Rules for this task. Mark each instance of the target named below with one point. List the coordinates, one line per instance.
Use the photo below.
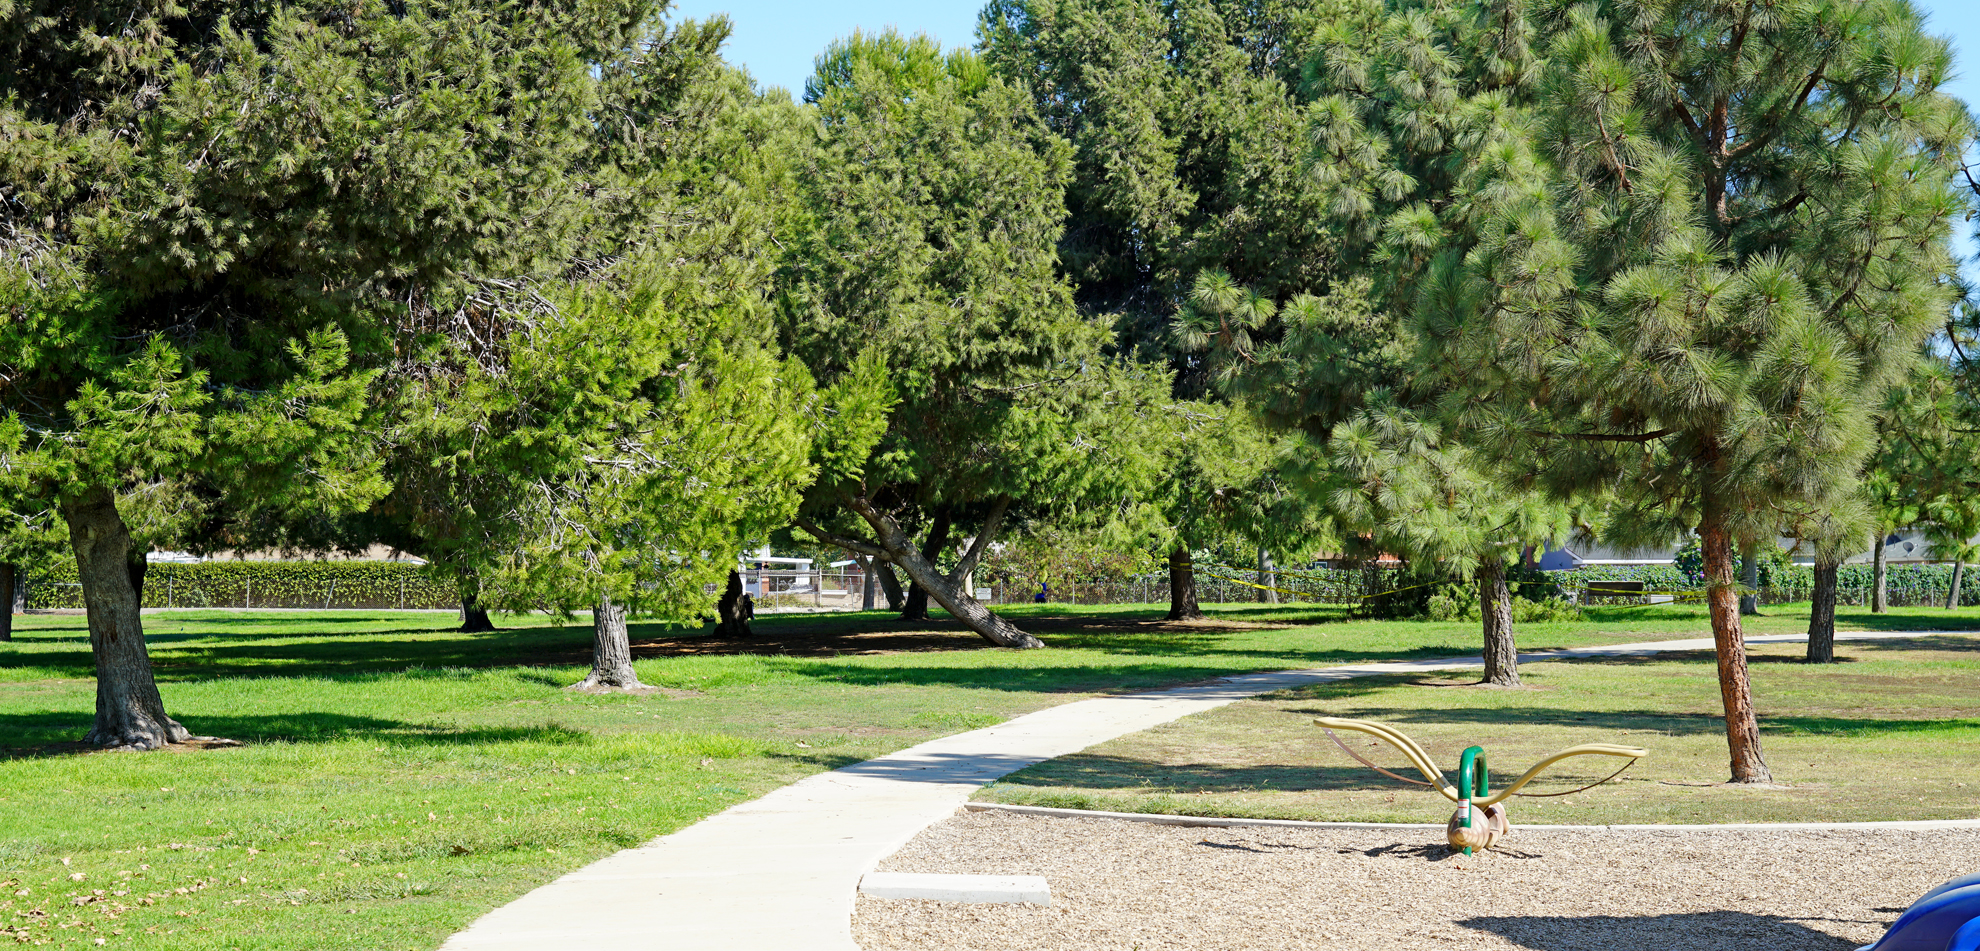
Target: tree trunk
(1749, 575)
(1495, 609)
(130, 715)
(730, 620)
(474, 617)
(1952, 594)
(611, 652)
(890, 584)
(1822, 618)
(1880, 600)
(1267, 579)
(917, 598)
(1182, 586)
(971, 612)
(7, 584)
(1729, 643)
(866, 585)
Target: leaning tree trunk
(971, 612)
(917, 596)
(1822, 618)
(611, 652)
(890, 584)
(1729, 643)
(1880, 599)
(730, 621)
(1495, 608)
(1749, 575)
(7, 584)
(130, 715)
(1959, 572)
(1268, 580)
(1182, 586)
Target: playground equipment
(1947, 918)
(1481, 819)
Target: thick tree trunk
(474, 618)
(971, 612)
(917, 598)
(890, 584)
(866, 584)
(1495, 609)
(130, 715)
(611, 652)
(1182, 586)
(1729, 642)
(1880, 598)
(8, 581)
(1267, 579)
(1749, 575)
(730, 616)
(1822, 618)
(1952, 594)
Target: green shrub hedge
(264, 584)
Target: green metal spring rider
(1481, 819)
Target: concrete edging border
(1049, 812)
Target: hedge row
(1903, 584)
(264, 584)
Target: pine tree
(222, 222)
(1686, 257)
(923, 286)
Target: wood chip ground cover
(1126, 885)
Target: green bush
(264, 584)
(1459, 602)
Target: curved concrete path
(780, 873)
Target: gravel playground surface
(1131, 885)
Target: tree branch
(846, 542)
(1605, 437)
(991, 523)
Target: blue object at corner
(1947, 918)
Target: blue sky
(777, 39)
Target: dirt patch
(196, 744)
(1122, 885)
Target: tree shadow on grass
(1692, 931)
(1645, 721)
(1100, 771)
(56, 733)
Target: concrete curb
(1049, 812)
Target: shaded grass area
(400, 778)
(1890, 732)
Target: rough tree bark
(1182, 586)
(1268, 578)
(1495, 609)
(611, 652)
(1952, 593)
(1749, 575)
(890, 584)
(7, 583)
(729, 620)
(938, 539)
(866, 586)
(474, 617)
(1880, 599)
(1729, 643)
(893, 543)
(130, 715)
(1822, 618)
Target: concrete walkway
(780, 873)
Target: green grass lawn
(399, 778)
(1892, 731)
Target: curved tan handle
(1428, 767)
